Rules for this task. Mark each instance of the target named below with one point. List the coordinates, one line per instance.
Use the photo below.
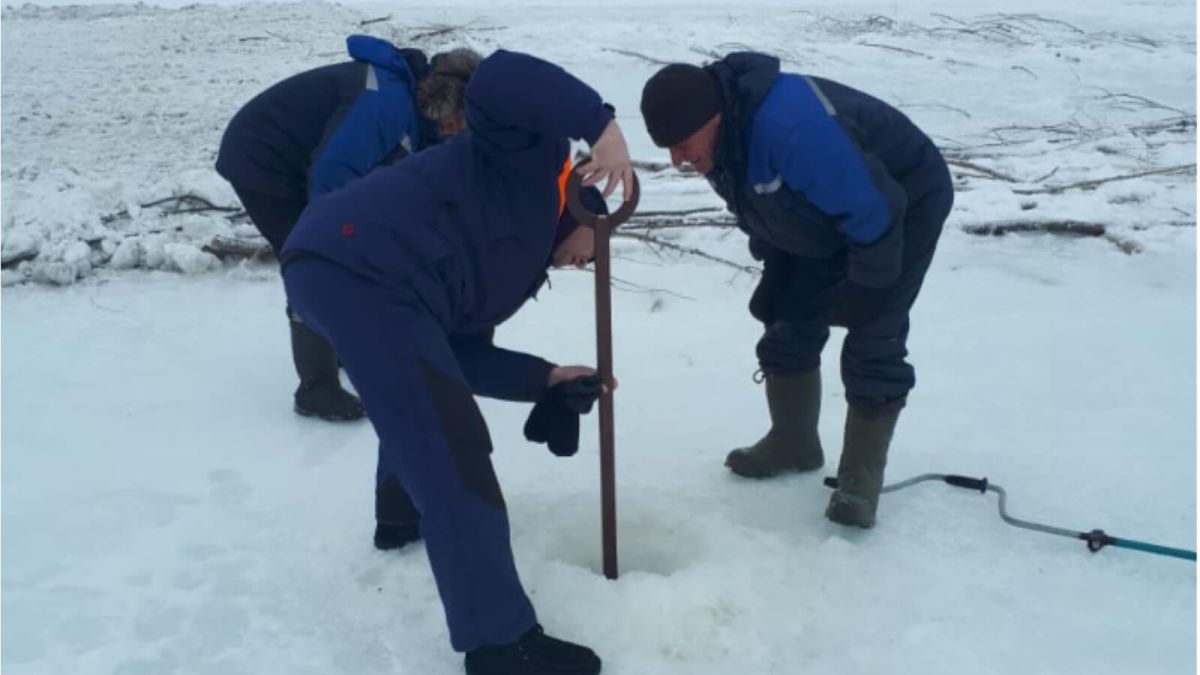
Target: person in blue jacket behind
(407, 272)
(316, 131)
(844, 199)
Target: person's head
(681, 105)
(441, 96)
(576, 249)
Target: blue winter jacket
(317, 130)
(813, 168)
(467, 228)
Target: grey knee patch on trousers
(466, 433)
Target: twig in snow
(368, 22)
(18, 258)
(637, 55)
(991, 173)
(937, 106)
(1064, 227)
(1172, 125)
(1092, 184)
(1027, 18)
(902, 50)
(679, 224)
(686, 212)
(947, 17)
(1023, 68)
(1138, 102)
(239, 249)
(654, 241)
(1047, 176)
(435, 32)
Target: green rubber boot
(792, 444)
(864, 456)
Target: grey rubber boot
(792, 444)
(864, 456)
(320, 393)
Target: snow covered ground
(165, 512)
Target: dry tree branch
(637, 55)
(937, 106)
(640, 215)
(1094, 183)
(990, 173)
(686, 250)
(901, 50)
(226, 248)
(1063, 227)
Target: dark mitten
(554, 419)
(770, 285)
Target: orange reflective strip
(563, 176)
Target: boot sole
(756, 475)
(304, 412)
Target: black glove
(762, 302)
(554, 419)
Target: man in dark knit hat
(844, 199)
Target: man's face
(577, 249)
(700, 148)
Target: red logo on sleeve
(348, 229)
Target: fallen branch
(637, 55)
(1136, 102)
(686, 250)
(381, 19)
(226, 248)
(1046, 177)
(1093, 184)
(686, 212)
(938, 106)
(902, 50)
(1064, 227)
(1068, 227)
(991, 173)
(18, 258)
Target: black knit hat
(677, 101)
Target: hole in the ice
(644, 544)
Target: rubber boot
(534, 654)
(397, 522)
(792, 444)
(869, 432)
(320, 393)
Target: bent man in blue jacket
(316, 131)
(407, 272)
(844, 200)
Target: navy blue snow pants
(432, 438)
(812, 294)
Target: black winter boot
(864, 456)
(792, 445)
(534, 654)
(397, 522)
(320, 393)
